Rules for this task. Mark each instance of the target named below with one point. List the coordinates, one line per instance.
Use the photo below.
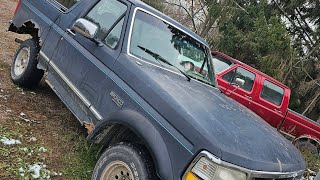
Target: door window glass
(105, 14)
(113, 37)
(243, 74)
(272, 93)
(67, 3)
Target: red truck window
(243, 74)
(221, 64)
(272, 93)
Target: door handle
(278, 111)
(247, 96)
(69, 31)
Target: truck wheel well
(27, 28)
(307, 140)
(117, 133)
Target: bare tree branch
(311, 103)
(243, 9)
(186, 10)
(304, 30)
(292, 22)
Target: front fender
(146, 131)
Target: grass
(312, 162)
(82, 158)
(17, 159)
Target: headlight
(206, 169)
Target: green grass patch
(82, 157)
(312, 160)
(23, 160)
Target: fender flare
(306, 136)
(146, 131)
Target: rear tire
(303, 145)
(24, 71)
(124, 161)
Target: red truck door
(227, 82)
(271, 101)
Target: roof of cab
(139, 3)
(248, 67)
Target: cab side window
(108, 15)
(67, 3)
(243, 74)
(272, 93)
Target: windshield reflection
(173, 45)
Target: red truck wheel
(306, 144)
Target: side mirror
(240, 82)
(85, 28)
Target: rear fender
(27, 27)
(146, 131)
(307, 137)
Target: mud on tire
(24, 71)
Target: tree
(303, 22)
(158, 4)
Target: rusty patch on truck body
(89, 126)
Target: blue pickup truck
(145, 88)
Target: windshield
(221, 64)
(152, 36)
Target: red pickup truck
(268, 98)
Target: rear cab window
(220, 64)
(243, 74)
(272, 93)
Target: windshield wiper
(160, 58)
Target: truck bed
(299, 125)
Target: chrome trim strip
(250, 173)
(72, 87)
(95, 113)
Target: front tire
(24, 71)
(124, 161)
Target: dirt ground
(38, 119)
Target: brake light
(15, 11)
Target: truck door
(242, 94)
(268, 103)
(51, 10)
(81, 65)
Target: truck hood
(212, 121)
